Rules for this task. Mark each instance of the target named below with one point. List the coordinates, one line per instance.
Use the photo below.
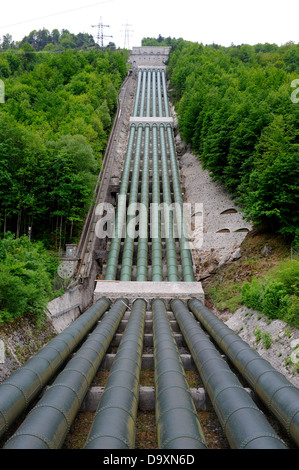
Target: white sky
(220, 21)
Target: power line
(56, 14)
(101, 35)
(127, 35)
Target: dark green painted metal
(114, 422)
(142, 254)
(243, 423)
(186, 258)
(49, 421)
(157, 272)
(137, 95)
(19, 390)
(159, 93)
(178, 425)
(172, 265)
(279, 395)
(112, 262)
(166, 105)
(127, 257)
(154, 91)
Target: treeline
(54, 127)
(44, 40)
(238, 109)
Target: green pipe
(48, 423)
(112, 262)
(127, 258)
(113, 426)
(141, 112)
(148, 96)
(157, 270)
(142, 254)
(172, 267)
(275, 391)
(19, 390)
(178, 425)
(243, 423)
(185, 251)
(166, 105)
(154, 92)
(136, 103)
(160, 106)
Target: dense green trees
(54, 127)
(44, 40)
(26, 278)
(235, 109)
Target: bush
(277, 295)
(26, 274)
(252, 294)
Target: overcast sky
(219, 21)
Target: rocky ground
(218, 243)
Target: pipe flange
(188, 436)
(177, 408)
(245, 442)
(97, 436)
(20, 390)
(57, 409)
(41, 437)
(108, 407)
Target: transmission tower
(100, 34)
(127, 35)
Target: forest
(59, 105)
(55, 124)
(238, 110)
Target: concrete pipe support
(276, 392)
(49, 421)
(178, 425)
(243, 423)
(19, 390)
(114, 422)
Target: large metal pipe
(157, 270)
(114, 422)
(172, 266)
(142, 254)
(159, 93)
(19, 390)
(166, 105)
(279, 395)
(127, 258)
(178, 425)
(137, 95)
(243, 423)
(112, 262)
(49, 421)
(186, 258)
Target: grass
(223, 290)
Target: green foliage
(277, 295)
(55, 124)
(234, 107)
(26, 273)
